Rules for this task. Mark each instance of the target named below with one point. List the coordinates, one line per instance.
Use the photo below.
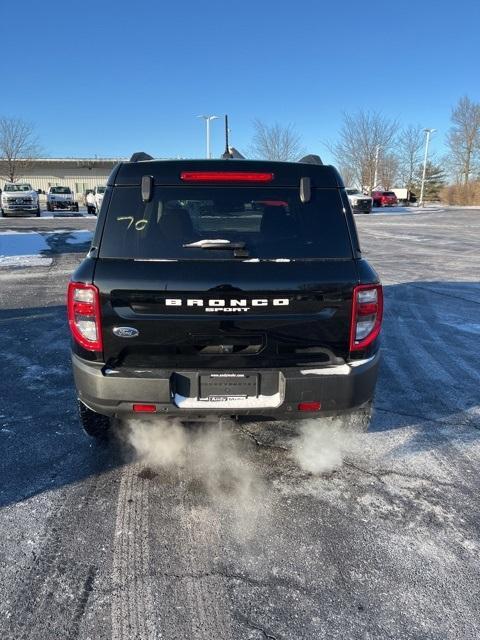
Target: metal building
(79, 174)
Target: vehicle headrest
(176, 224)
(275, 222)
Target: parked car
(384, 199)
(359, 202)
(19, 198)
(192, 303)
(61, 198)
(98, 193)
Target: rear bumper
(113, 392)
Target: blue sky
(107, 78)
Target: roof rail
(311, 159)
(139, 156)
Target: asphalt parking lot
(237, 539)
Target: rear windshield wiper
(238, 248)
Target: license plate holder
(221, 387)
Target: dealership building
(79, 174)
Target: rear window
(60, 190)
(265, 223)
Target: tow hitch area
(236, 390)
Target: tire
(75, 208)
(38, 212)
(359, 420)
(3, 213)
(94, 424)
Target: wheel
(75, 208)
(3, 213)
(94, 424)
(38, 212)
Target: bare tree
(348, 175)
(409, 148)
(463, 139)
(365, 138)
(388, 170)
(18, 147)
(276, 142)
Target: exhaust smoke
(212, 460)
(322, 445)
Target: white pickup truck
(359, 202)
(61, 198)
(19, 198)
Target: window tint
(267, 223)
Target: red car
(384, 199)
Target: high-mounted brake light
(367, 313)
(83, 309)
(225, 176)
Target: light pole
(375, 178)
(427, 141)
(208, 119)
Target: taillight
(367, 312)
(84, 315)
(225, 176)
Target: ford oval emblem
(125, 332)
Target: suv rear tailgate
(247, 314)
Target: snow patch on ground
(25, 261)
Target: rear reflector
(309, 406)
(367, 312)
(144, 408)
(225, 176)
(83, 309)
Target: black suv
(224, 287)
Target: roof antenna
(226, 154)
(230, 152)
(227, 146)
